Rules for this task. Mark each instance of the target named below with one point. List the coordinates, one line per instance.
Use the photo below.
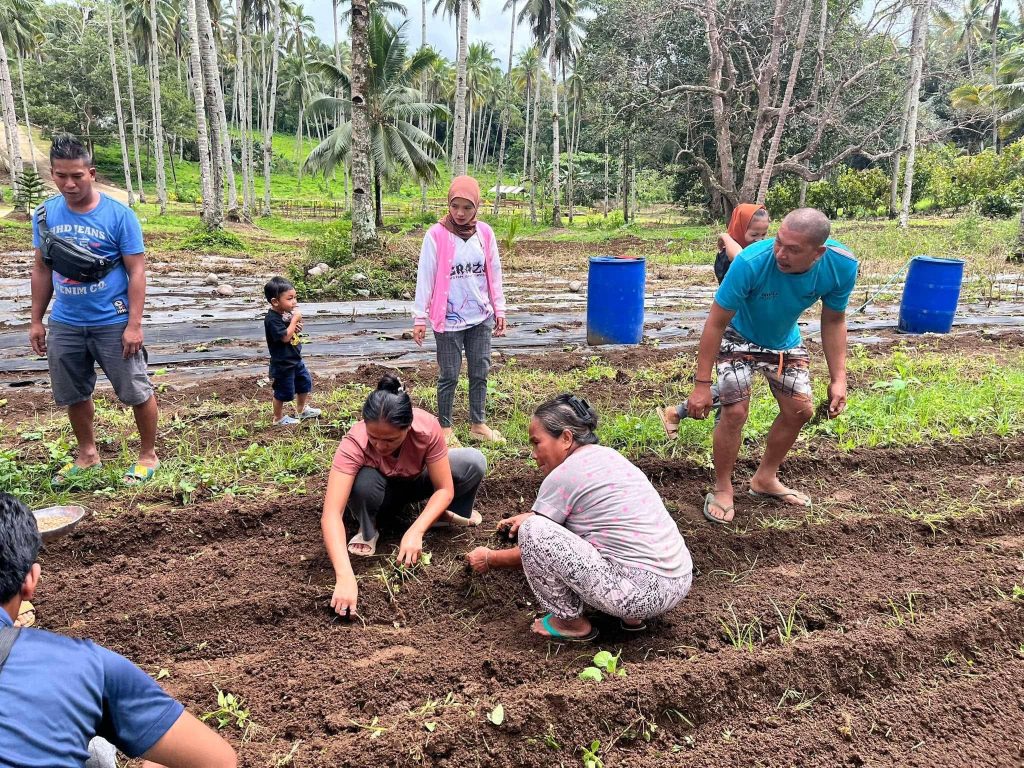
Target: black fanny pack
(70, 259)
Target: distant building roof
(507, 190)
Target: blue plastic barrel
(930, 294)
(615, 300)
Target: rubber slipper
(554, 634)
(709, 501)
(371, 543)
(642, 626)
(26, 615)
(139, 474)
(781, 497)
(71, 472)
(495, 437)
(451, 520)
(672, 430)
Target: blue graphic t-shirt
(768, 302)
(111, 229)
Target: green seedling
(604, 663)
(742, 636)
(549, 738)
(591, 755)
(788, 622)
(497, 715)
(230, 711)
(796, 700)
(393, 575)
(903, 612)
(374, 729)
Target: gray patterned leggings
(476, 342)
(566, 573)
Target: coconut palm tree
(965, 32)
(460, 10)
(392, 103)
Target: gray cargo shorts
(72, 352)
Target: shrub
(332, 245)
(205, 241)
(783, 196)
(999, 205)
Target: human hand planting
(343, 601)
(410, 548)
(511, 524)
(836, 398)
(479, 559)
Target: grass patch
(204, 241)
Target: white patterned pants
(567, 573)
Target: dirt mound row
(905, 648)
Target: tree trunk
(556, 211)
(780, 121)
(895, 180)
(459, 149)
(224, 172)
(506, 115)
(533, 154)
(158, 128)
(526, 126)
(131, 102)
(11, 126)
(268, 126)
(378, 201)
(626, 192)
(170, 156)
(996, 13)
(250, 144)
(298, 149)
(916, 70)
(118, 110)
(24, 108)
(364, 234)
(240, 100)
(606, 169)
(210, 193)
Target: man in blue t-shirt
(93, 322)
(752, 327)
(57, 693)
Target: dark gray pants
(373, 494)
(476, 342)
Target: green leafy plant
(591, 755)
(30, 189)
(230, 711)
(743, 636)
(604, 663)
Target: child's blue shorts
(291, 380)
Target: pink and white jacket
(433, 278)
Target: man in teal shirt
(752, 327)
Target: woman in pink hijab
(459, 293)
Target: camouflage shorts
(787, 372)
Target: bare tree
(271, 103)
(211, 195)
(11, 126)
(364, 232)
(158, 129)
(917, 56)
(224, 172)
(556, 210)
(117, 106)
(131, 102)
(243, 107)
(460, 125)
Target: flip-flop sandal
(452, 441)
(71, 472)
(781, 497)
(496, 437)
(554, 634)
(641, 627)
(672, 430)
(709, 501)
(451, 520)
(26, 615)
(371, 543)
(139, 474)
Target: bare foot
(773, 488)
(722, 509)
(579, 627)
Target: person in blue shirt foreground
(752, 327)
(58, 693)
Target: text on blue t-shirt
(110, 230)
(57, 693)
(768, 302)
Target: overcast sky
(492, 27)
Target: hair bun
(390, 383)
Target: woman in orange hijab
(749, 223)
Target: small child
(459, 293)
(287, 371)
(748, 225)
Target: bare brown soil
(907, 648)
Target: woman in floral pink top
(598, 535)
